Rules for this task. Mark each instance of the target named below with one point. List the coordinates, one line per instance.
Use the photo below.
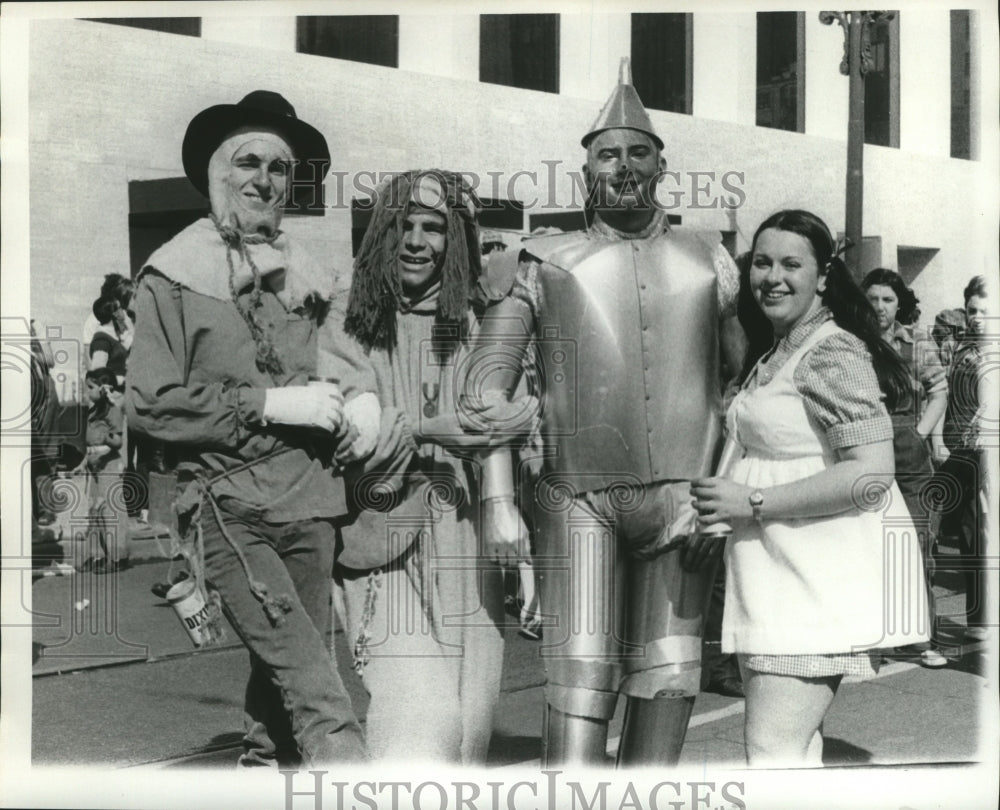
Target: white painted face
(248, 180)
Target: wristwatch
(756, 502)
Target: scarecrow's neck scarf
(209, 260)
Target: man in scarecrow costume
(629, 316)
(230, 325)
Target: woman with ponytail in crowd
(813, 592)
(423, 604)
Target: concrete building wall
(110, 104)
(925, 96)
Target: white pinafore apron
(839, 584)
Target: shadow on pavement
(841, 752)
(509, 750)
(973, 662)
(221, 752)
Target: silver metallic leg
(654, 731)
(583, 594)
(571, 740)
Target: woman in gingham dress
(823, 566)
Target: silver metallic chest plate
(629, 358)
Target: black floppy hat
(266, 108)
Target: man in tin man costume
(628, 317)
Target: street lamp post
(856, 63)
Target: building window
(882, 85)
(373, 38)
(188, 26)
(961, 113)
(661, 61)
(520, 50)
(781, 58)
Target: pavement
(111, 662)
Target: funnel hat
(623, 109)
(260, 108)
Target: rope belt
(274, 606)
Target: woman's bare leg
(784, 714)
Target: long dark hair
(909, 305)
(104, 309)
(119, 287)
(376, 291)
(842, 297)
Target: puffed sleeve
(728, 276)
(159, 401)
(841, 392)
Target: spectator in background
(107, 349)
(103, 468)
(965, 467)
(914, 418)
(44, 419)
(105, 343)
(949, 326)
(490, 242)
(121, 289)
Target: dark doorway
(158, 211)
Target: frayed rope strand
(275, 607)
(361, 653)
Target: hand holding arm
(363, 416)
(307, 406)
(496, 363)
(503, 422)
